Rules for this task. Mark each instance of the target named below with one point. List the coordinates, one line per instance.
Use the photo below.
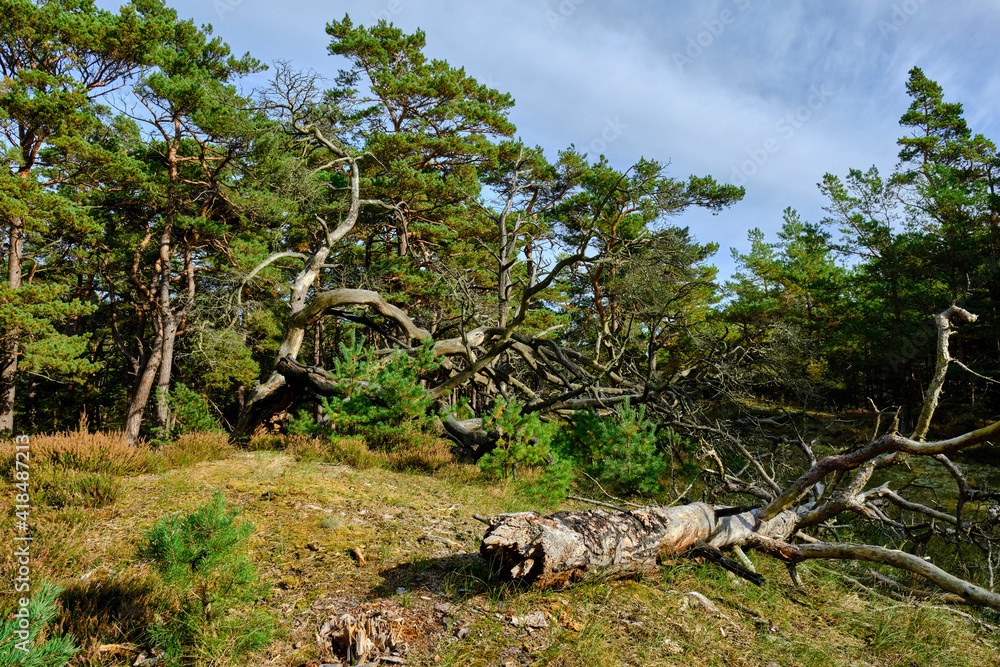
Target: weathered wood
(317, 381)
(569, 547)
(575, 546)
(796, 553)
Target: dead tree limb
(865, 552)
(944, 321)
(887, 444)
(576, 546)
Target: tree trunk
(140, 397)
(943, 322)
(571, 547)
(11, 348)
(318, 361)
(166, 368)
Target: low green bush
(189, 413)
(619, 450)
(207, 615)
(523, 446)
(383, 402)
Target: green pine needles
(189, 413)
(523, 440)
(211, 585)
(27, 646)
(524, 445)
(384, 400)
(620, 451)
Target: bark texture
(576, 546)
(11, 346)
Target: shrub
(189, 413)
(385, 404)
(427, 454)
(350, 451)
(207, 615)
(106, 453)
(619, 451)
(59, 487)
(267, 442)
(303, 423)
(549, 486)
(42, 651)
(523, 441)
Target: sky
(765, 94)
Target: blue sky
(766, 94)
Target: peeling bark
(570, 547)
(577, 546)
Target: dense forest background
(157, 217)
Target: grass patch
(189, 449)
(119, 609)
(419, 543)
(419, 453)
(60, 487)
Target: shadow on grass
(115, 610)
(458, 576)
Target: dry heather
(106, 453)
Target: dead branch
(866, 552)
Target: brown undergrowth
(331, 538)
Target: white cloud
(615, 62)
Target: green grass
(310, 515)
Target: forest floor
(331, 539)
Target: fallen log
(570, 547)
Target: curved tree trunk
(140, 396)
(943, 321)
